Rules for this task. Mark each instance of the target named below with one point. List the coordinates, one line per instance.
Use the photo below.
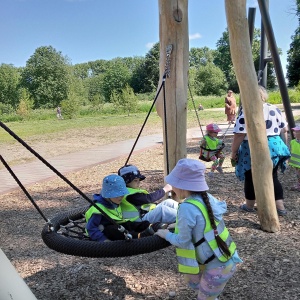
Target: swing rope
(169, 49)
(195, 109)
(120, 227)
(147, 117)
(222, 137)
(24, 190)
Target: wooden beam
(173, 30)
(262, 165)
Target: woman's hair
(221, 244)
(263, 93)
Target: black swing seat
(67, 235)
(210, 152)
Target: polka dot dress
(279, 152)
(274, 121)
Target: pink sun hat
(213, 127)
(297, 128)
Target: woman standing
(230, 107)
(276, 131)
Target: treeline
(49, 79)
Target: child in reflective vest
(100, 228)
(205, 250)
(211, 149)
(295, 156)
(165, 211)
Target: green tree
(94, 87)
(210, 80)
(201, 56)
(223, 60)
(293, 56)
(9, 85)
(145, 77)
(125, 101)
(115, 78)
(46, 77)
(25, 105)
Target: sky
(87, 30)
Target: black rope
(149, 112)
(195, 108)
(166, 131)
(120, 228)
(23, 188)
(222, 137)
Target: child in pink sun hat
(211, 149)
(295, 156)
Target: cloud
(149, 45)
(195, 36)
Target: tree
(210, 80)
(9, 85)
(293, 57)
(223, 60)
(115, 78)
(201, 56)
(127, 100)
(25, 104)
(145, 76)
(46, 77)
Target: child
(295, 156)
(164, 212)
(211, 149)
(205, 250)
(100, 228)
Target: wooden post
(252, 105)
(12, 286)
(173, 30)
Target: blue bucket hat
(189, 175)
(113, 186)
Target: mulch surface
(271, 268)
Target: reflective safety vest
(212, 147)
(146, 207)
(123, 213)
(187, 259)
(295, 154)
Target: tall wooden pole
(173, 30)
(252, 105)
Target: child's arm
(139, 199)
(92, 228)
(203, 143)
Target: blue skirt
(279, 153)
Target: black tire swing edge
(86, 248)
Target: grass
(31, 128)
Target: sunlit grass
(43, 127)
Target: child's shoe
(220, 170)
(147, 232)
(159, 225)
(210, 174)
(281, 212)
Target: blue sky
(87, 30)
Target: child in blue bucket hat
(100, 228)
(205, 250)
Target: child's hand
(234, 160)
(162, 233)
(171, 226)
(167, 188)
